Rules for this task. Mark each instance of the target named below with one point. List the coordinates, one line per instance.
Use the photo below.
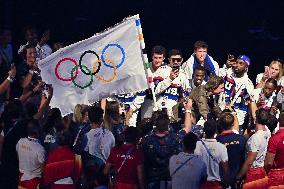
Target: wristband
(187, 111)
(31, 72)
(11, 79)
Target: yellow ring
(114, 71)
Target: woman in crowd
(274, 71)
(113, 120)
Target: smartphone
(267, 71)
(231, 57)
(175, 67)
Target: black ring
(80, 63)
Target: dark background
(255, 28)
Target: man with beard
(173, 85)
(238, 89)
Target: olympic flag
(105, 64)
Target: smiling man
(238, 89)
(200, 57)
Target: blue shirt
(235, 145)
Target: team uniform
(148, 104)
(268, 101)
(235, 145)
(62, 169)
(237, 93)
(256, 176)
(31, 159)
(225, 71)
(210, 65)
(170, 91)
(276, 146)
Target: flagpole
(145, 60)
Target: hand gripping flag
(108, 63)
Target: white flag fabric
(103, 65)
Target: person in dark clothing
(235, 144)
(14, 129)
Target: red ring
(58, 64)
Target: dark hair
(95, 114)
(273, 81)
(158, 49)
(200, 44)
(174, 52)
(272, 122)
(189, 141)
(112, 115)
(64, 138)
(281, 119)
(30, 109)
(210, 128)
(226, 120)
(13, 110)
(24, 52)
(54, 120)
(131, 135)
(262, 116)
(200, 68)
(162, 122)
(145, 126)
(214, 82)
(33, 128)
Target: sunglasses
(176, 59)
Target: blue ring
(122, 51)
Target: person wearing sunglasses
(174, 87)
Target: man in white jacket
(200, 57)
(173, 85)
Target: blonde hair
(280, 74)
(77, 115)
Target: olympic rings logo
(96, 66)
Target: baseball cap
(244, 58)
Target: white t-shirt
(218, 151)
(258, 143)
(99, 143)
(31, 157)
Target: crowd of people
(198, 125)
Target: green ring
(88, 84)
